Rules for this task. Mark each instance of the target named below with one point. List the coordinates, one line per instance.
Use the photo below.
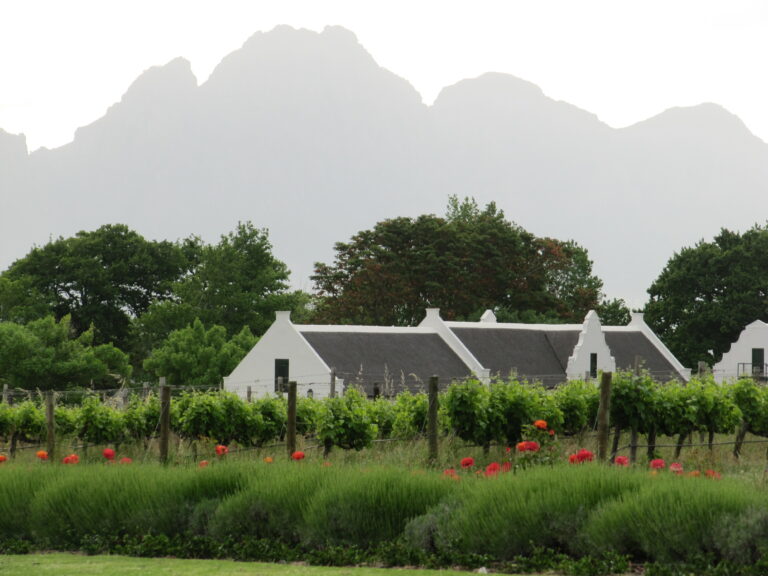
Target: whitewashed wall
(591, 341)
(754, 335)
(282, 340)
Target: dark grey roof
(405, 360)
(533, 354)
(625, 345)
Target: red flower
(450, 471)
(529, 446)
(492, 469)
(109, 454)
(3, 458)
(712, 474)
(71, 459)
(658, 464)
(582, 455)
(508, 449)
(467, 462)
(298, 455)
(221, 450)
(506, 467)
(125, 460)
(676, 467)
(42, 454)
(540, 424)
(551, 432)
(621, 461)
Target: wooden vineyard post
(248, 394)
(50, 424)
(291, 429)
(165, 420)
(603, 413)
(432, 420)
(333, 382)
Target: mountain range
(304, 134)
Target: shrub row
(335, 514)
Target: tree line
(108, 305)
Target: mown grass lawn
(78, 565)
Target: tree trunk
(615, 445)
(680, 442)
(651, 443)
(740, 435)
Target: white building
(746, 356)
(386, 360)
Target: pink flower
(492, 469)
(621, 461)
(203, 463)
(450, 471)
(658, 464)
(676, 467)
(125, 460)
(506, 467)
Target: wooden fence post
(248, 394)
(165, 420)
(50, 424)
(291, 428)
(603, 413)
(5, 393)
(432, 420)
(333, 382)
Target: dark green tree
(102, 279)
(237, 282)
(48, 355)
(469, 261)
(707, 294)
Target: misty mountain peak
(702, 122)
(13, 147)
(162, 83)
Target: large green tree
(470, 260)
(195, 356)
(47, 354)
(707, 294)
(103, 278)
(234, 283)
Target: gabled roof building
(387, 360)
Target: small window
(281, 373)
(593, 365)
(758, 361)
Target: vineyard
(477, 414)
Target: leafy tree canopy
(471, 260)
(46, 354)
(707, 294)
(194, 356)
(235, 283)
(102, 279)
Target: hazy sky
(62, 64)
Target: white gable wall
(281, 341)
(436, 323)
(591, 341)
(754, 335)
